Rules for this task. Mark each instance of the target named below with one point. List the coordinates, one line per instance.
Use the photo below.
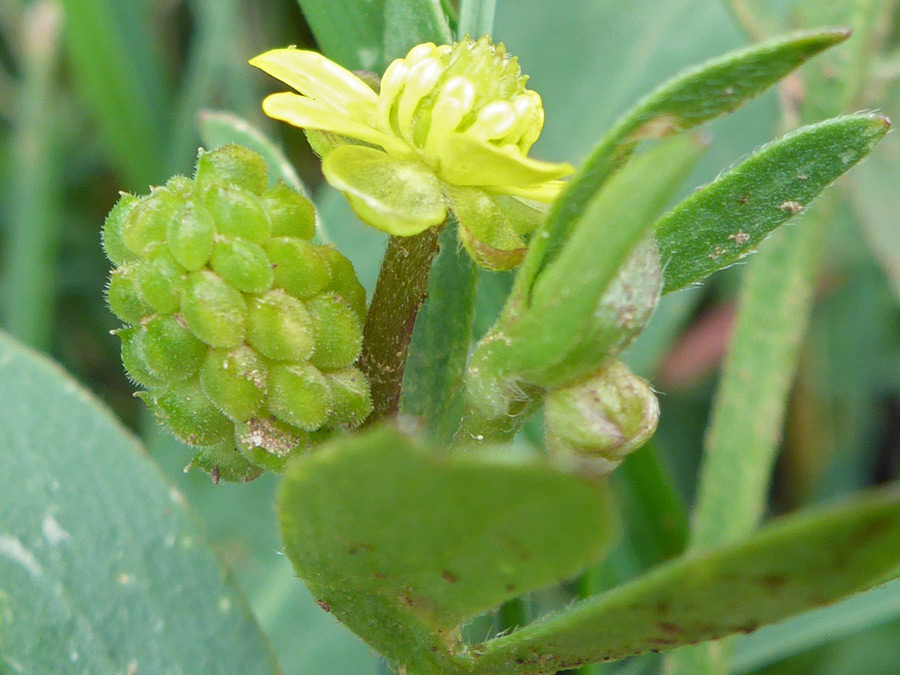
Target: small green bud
(269, 442)
(113, 245)
(147, 223)
(337, 330)
(213, 310)
(235, 381)
(224, 462)
(299, 395)
(238, 214)
(123, 295)
(186, 411)
(291, 214)
(604, 417)
(300, 267)
(133, 358)
(351, 398)
(160, 281)
(233, 164)
(242, 264)
(191, 236)
(344, 281)
(169, 349)
(279, 327)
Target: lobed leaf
(401, 543)
(101, 566)
(698, 95)
(795, 564)
(727, 219)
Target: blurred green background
(98, 96)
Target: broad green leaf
(119, 74)
(715, 88)
(348, 31)
(718, 224)
(795, 564)
(219, 128)
(102, 569)
(440, 345)
(801, 633)
(401, 544)
(411, 22)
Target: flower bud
(243, 265)
(604, 417)
(241, 330)
(290, 213)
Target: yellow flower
(449, 131)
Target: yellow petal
(541, 192)
(399, 197)
(315, 76)
(307, 113)
(465, 160)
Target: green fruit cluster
(241, 331)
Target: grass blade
(120, 77)
(28, 277)
(348, 31)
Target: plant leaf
(740, 447)
(801, 633)
(698, 95)
(566, 294)
(402, 544)
(797, 563)
(411, 22)
(718, 224)
(101, 567)
(348, 32)
(218, 128)
(121, 78)
(440, 343)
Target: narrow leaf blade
(348, 31)
(801, 562)
(440, 343)
(411, 22)
(714, 88)
(727, 219)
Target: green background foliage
(102, 95)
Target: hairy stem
(400, 291)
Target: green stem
(399, 293)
